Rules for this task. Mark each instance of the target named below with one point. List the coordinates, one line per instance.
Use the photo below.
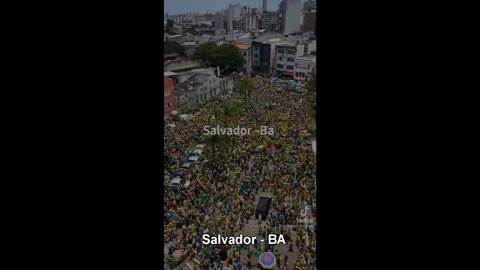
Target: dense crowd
(227, 181)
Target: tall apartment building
(264, 6)
(292, 12)
(219, 21)
(309, 21)
(310, 5)
(248, 19)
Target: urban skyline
(173, 7)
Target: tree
(245, 86)
(216, 143)
(205, 53)
(229, 57)
(226, 56)
(230, 111)
(173, 47)
(169, 26)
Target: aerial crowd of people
(232, 172)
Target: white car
(200, 146)
(198, 152)
(193, 159)
(186, 165)
(177, 181)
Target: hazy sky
(179, 6)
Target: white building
(292, 16)
(285, 55)
(304, 67)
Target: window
(281, 51)
(291, 52)
(296, 74)
(290, 67)
(280, 58)
(290, 59)
(256, 55)
(279, 66)
(244, 53)
(168, 105)
(244, 62)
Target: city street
(227, 175)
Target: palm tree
(245, 87)
(216, 143)
(230, 110)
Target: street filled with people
(213, 182)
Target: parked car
(177, 182)
(197, 152)
(186, 165)
(193, 159)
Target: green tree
(229, 57)
(226, 56)
(173, 47)
(216, 143)
(245, 87)
(230, 111)
(205, 53)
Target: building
(246, 52)
(182, 65)
(233, 17)
(248, 19)
(176, 38)
(264, 6)
(197, 89)
(263, 53)
(309, 21)
(292, 11)
(219, 21)
(169, 100)
(304, 67)
(269, 20)
(310, 5)
(286, 53)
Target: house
(197, 89)
(304, 67)
(182, 65)
(169, 100)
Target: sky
(173, 7)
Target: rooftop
(308, 57)
(181, 64)
(269, 35)
(171, 55)
(191, 84)
(243, 46)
